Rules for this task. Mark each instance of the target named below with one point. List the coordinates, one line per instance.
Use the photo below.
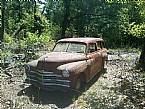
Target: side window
(92, 48)
(102, 44)
(99, 45)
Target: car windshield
(70, 47)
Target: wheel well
(82, 77)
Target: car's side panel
(95, 64)
(103, 51)
(100, 63)
(96, 56)
(76, 69)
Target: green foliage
(110, 19)
(5, 54)
(31, 39)
(44, 38)
(137, 30)
(116, 21)
(35, 40)
(8, 39)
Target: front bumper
(46, 80)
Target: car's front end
(54, 70)
(46, 78)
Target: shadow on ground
(60, 98)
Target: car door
(95, 57)
(103, 51)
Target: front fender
(74, 67)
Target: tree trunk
(19, 11)
(2, 20)
(142, 57)
(65, 23)
(34, 10)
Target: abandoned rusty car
(72, 61)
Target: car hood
(62, 57)
(51, 61)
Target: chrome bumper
(46, 79)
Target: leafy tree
(137, 27)
(66, 20)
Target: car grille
(46, 78)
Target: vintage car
(71, 62)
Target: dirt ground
(111, 89)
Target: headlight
(65, 73)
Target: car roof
(81, 40)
